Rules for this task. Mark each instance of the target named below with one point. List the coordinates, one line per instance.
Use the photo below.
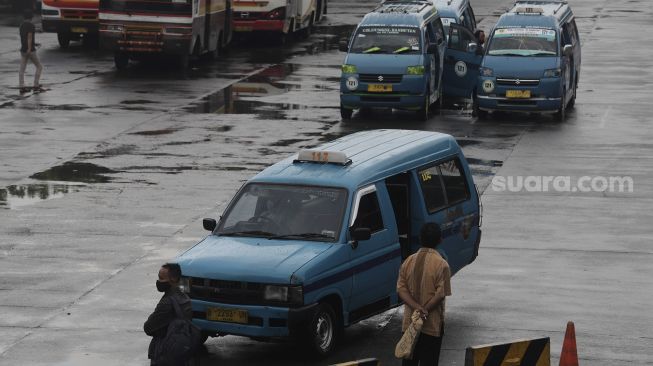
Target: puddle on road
(76, 172)
(164, 131)
(26, 194)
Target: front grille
(518, 82)
(79, 14)
(231, 292)
(381, 78)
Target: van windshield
(380, 39)
(291, 212)
(523, 42)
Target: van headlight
(486, 71)
(184, 285)
(349, 69)
(415, 70)
(288, 294)
(552, 73)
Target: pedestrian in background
(157, 323)
(480, 39)
(425, 294)
(28, 52)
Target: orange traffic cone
(569, 355)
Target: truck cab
(314, 243)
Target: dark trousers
(426, 353)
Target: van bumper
(366, 100)
(540, 105)
(56, 25)
(264, 321)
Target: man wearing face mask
(156, 325)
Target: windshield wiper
(302, 236)
(401, 50)
(372, 49)
(249, 233)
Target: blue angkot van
(532, 61)
(314, 243)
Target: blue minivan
(314, 243)
(532, 61)
(394, 59)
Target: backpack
(182, 340)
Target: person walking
(28, 53)
(426, 295)
(157, 323)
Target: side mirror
(471, 47)
(361, 234)
(432, 48)
(567, 50)
(209, 224)
(343, 45)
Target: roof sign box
(324, 157)
(529, 10)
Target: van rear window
(392, 40)
(443, 185)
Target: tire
(345, 113)
(439, 104)
(323, 331)
(561, 114)
(572, 101)
(423, 113)
(476, 111)
(64, 39)
(215, 54)
(121, 60)
(184, 62)
(205, 336)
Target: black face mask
(162, 286)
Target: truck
(282, 17)
(72, 20)
(134, 29)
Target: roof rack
(403, 6)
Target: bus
(134, 29)
(72, 20)
(282, 17)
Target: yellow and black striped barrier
(365, 362)
(529, 352)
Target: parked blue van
(394, 60)
(314, 243)
(532, 61)
(456, 12)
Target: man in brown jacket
(424, 282)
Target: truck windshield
(178, 7)
(523, 42)
(381, 39)
(291, 212)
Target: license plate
(379, 88)
(241, 28)
(518, 93)
(79, 30)
(227, 315)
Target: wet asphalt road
(108, 175)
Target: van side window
(573, 32)
(467, 21)
(439, 30)
(459, 39)
(369, 213)
(566, 37)
(432, 189)
(455, 183)
(472, 17)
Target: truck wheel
(323, 330)
(121, 60)
(561, 114)
(346, 113)
(423, 113)
(64, 39)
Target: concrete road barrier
(365, 362)
(528, 352)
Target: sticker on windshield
(448, 21)
(412, 41)
(525, 32)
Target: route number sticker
(460, 68)
(352, 83)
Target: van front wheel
(346, 113)
(423, 113)
(323, 330)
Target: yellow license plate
(379, 88)
(518, 93)
(241, 28)
(227, 315)
(79, 30)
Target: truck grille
(79, 14)
(381, 78)
(518, 82)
